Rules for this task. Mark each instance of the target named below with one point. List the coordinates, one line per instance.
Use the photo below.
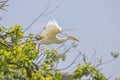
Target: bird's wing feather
(51, 29)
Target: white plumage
(50, 32)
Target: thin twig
(94, 54)
(3, 4)
(39, 16)
(84, 57)
(69, 64)
(7, 45)
(43, 14)
(70, 71)
(40, 59)
(67, 29)
(67, 50)
(60, 46)
(105, 62)
(51, 11)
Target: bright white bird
(49, 35)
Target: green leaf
(115, 54)
(2, 28)
(63, 57)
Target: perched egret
(49, 35)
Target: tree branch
(69, 64)
(38, 16)
(105, 62)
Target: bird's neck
(61, 40)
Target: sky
(95, 22)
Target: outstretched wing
(51, 29)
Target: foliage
(88, 70)
(16, 57)
(67, 77)
(3, 4)
(118, 78)
(21, 59)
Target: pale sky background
(96, 24)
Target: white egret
(49, 35)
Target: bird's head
(72, 38)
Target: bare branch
(69, 64)
(43, 14)
(7, 45)
(39, 16)
(94, 54)
(41, 57)
(51, 11)
(67, 50)
(3, 4)
(105, 62)
(84, 57)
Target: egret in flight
(49, 35)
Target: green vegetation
(17, 55)
(21, 58)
